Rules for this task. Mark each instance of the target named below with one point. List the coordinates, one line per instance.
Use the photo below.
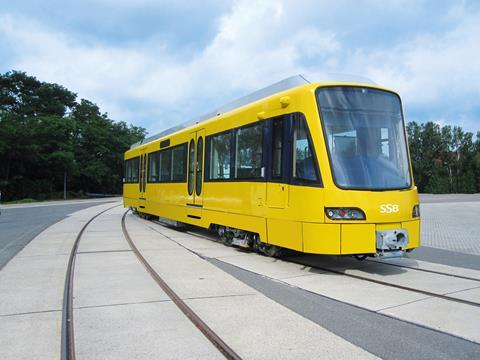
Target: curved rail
(385, 283)
(226, 350)
(68, 340)
(426, 270)
(397, 286)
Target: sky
(158, 63)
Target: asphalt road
(19, 224)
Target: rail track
(68, 338)
(426, 270)
(226, 350)
(392, 285)
(213, 237)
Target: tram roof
(283, 85)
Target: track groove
(380, 282)
(226, 350)
(68, 338)
(425, 270)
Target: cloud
(254, 43)
(433, 68)
(252, 48)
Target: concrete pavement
(262, 307)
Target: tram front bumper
(379, 238)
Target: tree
(45, 133)
(443, 158)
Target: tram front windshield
(365, 136)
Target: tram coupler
(390, 243)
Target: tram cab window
(165, 165)
(153, 167)
(249, 152)
(219, 156)
(304, 161)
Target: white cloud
(432, 69)
(251, 48)
(256, 43)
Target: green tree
(45, 133)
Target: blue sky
(156, 63)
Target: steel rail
(68, 339)
(397, 286)
(425, 270)
(380, 282)
(226, 350)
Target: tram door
(196, 151)
(142, 180)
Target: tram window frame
(238, 132)
(132, 170)
(172, 176)
(209, 153)
(288, 122)
(299, 118)
(154, 164)
(179, 177)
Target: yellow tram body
(283, 213)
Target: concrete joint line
(122, 304)
(30, 313)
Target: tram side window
(135, 170)
(249, 152)
(179, 155)
(165, 165)
(153, 167)
(219, 156)
(304, 162)
(131, 170)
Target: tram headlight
(416, 211)
(345, 214)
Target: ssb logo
(388, 208)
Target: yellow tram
(317, 167)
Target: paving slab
(198, 243)
(457, 319)
(259, 328)
(190, 276)
(415, 279)
(368, 295)
(53, 243)
(154, 242)
(139, 331)
(457, 233)
(30, 336)
(107, 278)
(268, 266)
(425, 265)
(252, 324)
(374, 297)
(376, 270)
(32, 284)
(470, 295)
(91, 241)
(32, 289)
